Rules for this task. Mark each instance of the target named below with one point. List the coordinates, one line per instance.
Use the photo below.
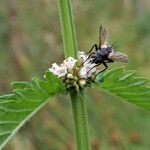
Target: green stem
(77, 99)
(68, 28)
(80, 120)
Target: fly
(104, 53)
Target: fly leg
(105, 64)
(86, 59)
(93, 67)
(103, 69)
(94, 46)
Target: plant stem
(80, 120)
(68, 28)
(77, 98)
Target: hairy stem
(68, 28)
(80, 120)
(77, 98)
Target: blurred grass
(30, 40)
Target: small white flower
(90, 69)
(82, 56)
(69, 63)
(59, 71)
(54, 69)
(87, 70)
(62, 71)
(83, 73)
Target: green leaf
(127, 85)
(17, 108)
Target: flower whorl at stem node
(75, 73)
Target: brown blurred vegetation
(30, 40)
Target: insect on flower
(71, 75)
(104, 53)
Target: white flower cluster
(65, 68)
(80, 70)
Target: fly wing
(117, 56)
(103, 33)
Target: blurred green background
(30, 40)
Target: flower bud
(67, 81)
(69, 86)
(69, 76)
(75, 78)
(82, 82)
(76, 85)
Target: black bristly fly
(104, 53)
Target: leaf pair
(28, 98)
